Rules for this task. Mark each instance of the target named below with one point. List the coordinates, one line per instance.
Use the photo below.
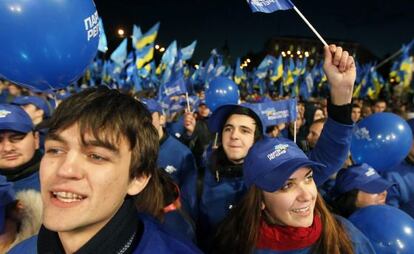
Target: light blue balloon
(381, 140)
(47, 44)
(390, 230)
(221, 91)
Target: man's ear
(137, 184)
(36, 139)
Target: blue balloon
(389, 229)
(381, 140)
(221, 91)
(47, 44)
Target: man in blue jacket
(239, 127)
(19, 143)
(99, 170)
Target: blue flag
(269, 6)
(187, 52)
(276, 112)
(174, 87)
(103, 43)
(119, 55)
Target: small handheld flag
(268, 6)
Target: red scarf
(288, 238)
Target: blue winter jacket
(178, 161)
(401, 195)
(155, 239)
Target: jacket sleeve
(331, 149)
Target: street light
(121, 32)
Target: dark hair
(109, 116)
(258, 133)
(239, 232)
(354, 105)
(344, 204)
(321, 120)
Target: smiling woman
(282, 210)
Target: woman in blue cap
(356, 187)
(282, 211)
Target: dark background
(378, 25)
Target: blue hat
(221, 114)
(14, 118)
(35, 100)
(361, 177)
(152, 105)
(271, 161)
(63, 96)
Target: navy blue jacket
(402, 194)
(178, 161)
(155, 239)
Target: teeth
(67, 197)
(301, 210)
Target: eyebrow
(86, 143)
(307, 174)
(100, 143)
(241, 126)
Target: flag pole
(188, 102)
(294, 131)
(310, 25)
(388, 59)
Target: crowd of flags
(173, 75)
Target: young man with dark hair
(98, 172)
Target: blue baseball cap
(361, 177)
(221, 114)
(271, 161)
(152, 105)
(14, 118)
(35, 100)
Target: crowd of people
(103, 171)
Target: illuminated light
(15, 8)
(248, 60)
(157, 46)
(298, 52)
(121, 32)
(408, 230)
(300, 56)
(196, 66)
(288, 52)
(306, 53)
(400, 244)
(291, 56)
(162, 49)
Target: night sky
(382, 26)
